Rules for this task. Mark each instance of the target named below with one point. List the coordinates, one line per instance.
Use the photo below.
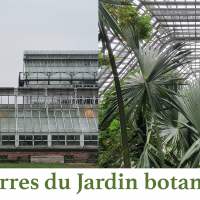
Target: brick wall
(70, 156)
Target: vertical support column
(16, 119)
(49, 140)
(82, 140)
(78, 114)
(16, 140)
(63, 119)
(47, 113)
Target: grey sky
(43, 25)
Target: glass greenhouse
(55, 105)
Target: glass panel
(58, 114)
(36, 124)
(28, 124)
(92, 124)
(25, 140)
(40, 140)
(20, 123)
(8, 140)
(84, 124)
(58, 140)
(12, 124)
(44, 124)
(68, 123)
(4, 124)
(60, 124)
(76, 123)
(52, 125)
(91, 140)
(73, 139)
(66, 113)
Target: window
(8, 140)
(91, 140)
(58, 140)
(87, 63)
(25, 140)
(73, 139)
(40, 140)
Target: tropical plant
(161, 110)
(107, 21)
(184, 140)
(149, 94)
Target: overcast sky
(43, 25)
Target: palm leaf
(190, 153)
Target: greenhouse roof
(52, 110)
(60, 52)
(172, 20)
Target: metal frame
(30, 112)
(57, 96)
(173, 20)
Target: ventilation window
(25, 140)
(73, 140)
(8, 140)
(91, 140)
(40, 140)
(58, 140)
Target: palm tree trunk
(122, 116)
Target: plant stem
(120, 101)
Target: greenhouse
(149, 56)
(54, 109)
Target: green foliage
(162, 118)
(152, 103)
(110, 146)
(190, 107)
(110, 154)
(180, 141)
(114, 126)
(107, 22)
(103, 60)
(144, 26)
(147, 91)
(128, 15)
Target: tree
(113, 22)
(183, 139)
(150, 93)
